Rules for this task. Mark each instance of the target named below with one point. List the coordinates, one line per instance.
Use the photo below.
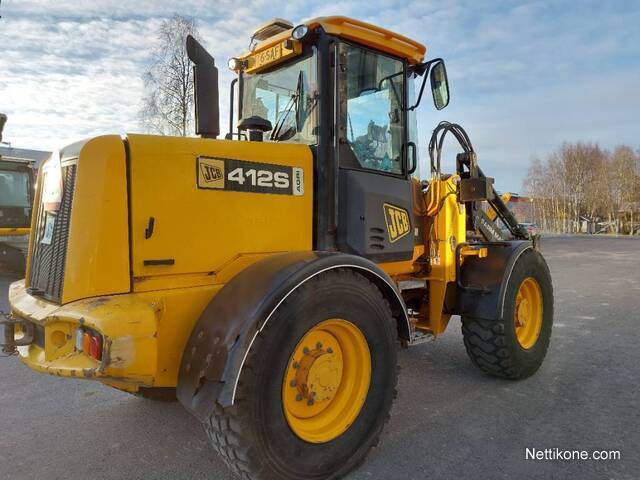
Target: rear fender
(223, 335)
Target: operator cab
(346, 89)
(279, 86)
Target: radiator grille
(47, 260)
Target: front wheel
(515, 345)
(317, 385)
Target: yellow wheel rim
(528, 314)
(327, 381)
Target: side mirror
(437, 73)
(439, 85)
(205, 81)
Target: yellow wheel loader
(16, 199)
(267, 279)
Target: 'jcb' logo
(210, 173)
(397, 220)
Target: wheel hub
(320, 380)
(326, 381)
(523, 313)
(528, 313)
(316, 373)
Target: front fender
(222, 337)
(483, 281)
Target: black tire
(253, 436)
(159, 394)
(492, 345)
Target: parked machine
(16, 198)
(268, 278)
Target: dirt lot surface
(450, 421)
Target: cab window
(371, 109)
(14, 189)
(286, 96)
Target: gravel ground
(449, 421)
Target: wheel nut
(293, 383)
(305, 350)
(296, 365)
(298, 398)
(329, 350)
(310, 402)
(318, 346)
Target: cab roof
(361, 32)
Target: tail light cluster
(89, 342)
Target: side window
(373, 87)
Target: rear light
(95, 349)
(89, 342)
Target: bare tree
(582, 181)
(167, 106)
(624, 173)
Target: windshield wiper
(294, 101)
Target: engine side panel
(206, 213)
(374, 218)
(97, 254)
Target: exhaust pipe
(206, 95)
(3, 120)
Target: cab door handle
(413, 164)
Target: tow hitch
(10, 343)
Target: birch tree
(582, 180)
(167, 106)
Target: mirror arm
(424, 82)
(425, 68)
(388, 78)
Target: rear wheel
(317, 385)
(515, 345)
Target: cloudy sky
(525, 76)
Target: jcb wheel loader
(267, 278)
(16, 198)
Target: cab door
(374, 189)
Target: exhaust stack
(206, 95)
(3, 120)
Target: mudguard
(482, 282)
(222, 337)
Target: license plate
(49, 223)
(268, 56)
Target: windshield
(14, 189)
(287, 97)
